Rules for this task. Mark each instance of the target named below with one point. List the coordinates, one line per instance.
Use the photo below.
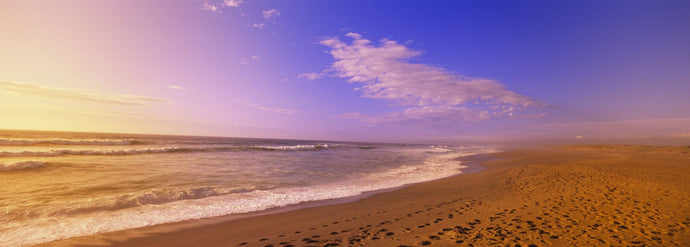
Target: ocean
(56, 185)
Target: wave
(99, 142)
(21, 165)
(60, 152)
(293, 147)
(52, 153)
(174, 205)
(439, 149)
(147, 198)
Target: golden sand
(560, 196)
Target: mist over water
(59, 185)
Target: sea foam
(24, 142)
(97, 183)
(21, 165)
(131, 211)
(60, 152)
(293, 147)
(51, 153)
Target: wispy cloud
(211, 7)
(429, 93)
(232, 3)
(273, 109)
(437, 114)
(78, 94)
(217, 6)
(247, 60)
(270, 15)
(311, 76)
(176, 87)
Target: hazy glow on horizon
(347, 70)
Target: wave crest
(60, 152)
(99, 142)
(52, 153)
(148, 198)
(21, 165)
(293, 147)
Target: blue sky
(356, 70)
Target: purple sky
(348, 70)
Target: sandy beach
(554, 196)
(344, 123)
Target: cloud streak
(269, 17)
(217, 6)
(429, 93)
(232, 3)
(271, 14)
(211, 8)
(273, 109)
(311, 76)
(78, 94)
(246, 61)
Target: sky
(348, 70)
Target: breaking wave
(60, 152)
(52, 153)
(21, 165)
(147, 198)
(294, 147)
(174, 205)
(26, 142)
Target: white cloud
(78, 94)
(250, 59)
(217, 6)
(211, 7)
(436, 114)
(311, 76)
(273, 109)
(270, 15)
(430, 93)
(176, 87)
(232, 3)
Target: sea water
(56, 185)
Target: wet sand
(566, 195)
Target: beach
(564, 195)
(344, 123)
(63, 185)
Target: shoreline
(420, 214)
(470, 164)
